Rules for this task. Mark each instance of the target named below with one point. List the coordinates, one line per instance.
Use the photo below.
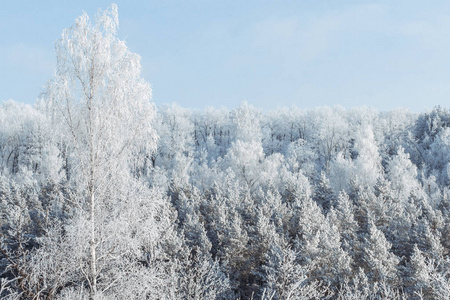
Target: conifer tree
(380, 263)
(323, 194)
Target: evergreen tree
(380, 263)
(323, 194)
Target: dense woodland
(105, 196)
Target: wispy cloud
(430, 34)
(316, 35)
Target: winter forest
(103, 195)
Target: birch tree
(102, 104)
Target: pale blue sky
(308, 53)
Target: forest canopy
(103, 195)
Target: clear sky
(308, 53)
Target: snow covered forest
(103, 195)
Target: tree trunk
(93, 254)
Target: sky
(307, 53)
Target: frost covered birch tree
(102, 103)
